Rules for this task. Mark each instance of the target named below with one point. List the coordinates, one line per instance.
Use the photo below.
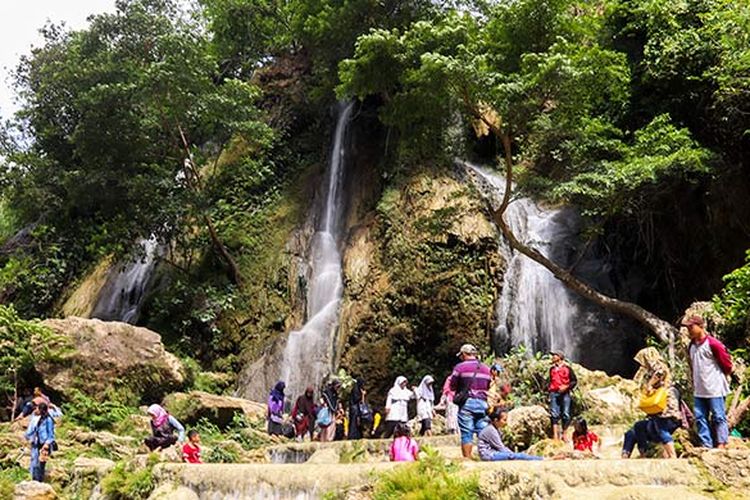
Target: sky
(20, 21)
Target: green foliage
(126, 482)
(661, 152)
(733, 302)
(9, 477)
(23, 344)
(106, 414)
(432, 477)
(246, 31)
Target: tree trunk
(234, 269)
(663, 330)
(735, 415)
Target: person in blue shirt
(163, 426)
(41, 437)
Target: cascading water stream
(308, 353)
(535, 309)
(122, 296)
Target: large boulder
(607, 399)
(103, 355)
(33, 490)
(190, 407)
(526, 426)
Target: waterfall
(122, 296)
(535, 309)
(308, 353)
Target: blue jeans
(652, 430)
(36, 467)
(472, 418)
(714, 406)
(559, 408)
(509, 455)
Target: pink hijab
(159, 414)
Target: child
(191, 451)
(403, 448)
(583, 440)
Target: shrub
(433, 478)
(125, 482)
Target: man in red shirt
(562, 380)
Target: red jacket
(560, 376)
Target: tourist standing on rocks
(329, 403)
(710, 365)
(426, 405)
(163, 426)
(470, 381)
(403, 448)
(41, 437)
(360, 414)
(276, 409)
(490, 445)
(562, 380)
(303, 414)
(397, 405)
(660, 401)
(451, 409)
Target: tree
(23, 344)
(116, 115)
(572, 90)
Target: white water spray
(308, 353)
(122, 296)
(535, 308)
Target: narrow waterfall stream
(122, 296)
(535, 308)
(308, 353)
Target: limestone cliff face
(421, 276)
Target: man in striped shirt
(472, 378)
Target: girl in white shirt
(397, 405)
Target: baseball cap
(692, 320)
(467, 349)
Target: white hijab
(425, 389)
(399, 394)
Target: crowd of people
(474, 399)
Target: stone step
(594, 479)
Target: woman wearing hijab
(397, 406)
(425, 405)
(330, 400)
(276, 409)
(303, 414)
(662, 419)
(359, 413)
(41, 436)
(163, 426)
(451, 409)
